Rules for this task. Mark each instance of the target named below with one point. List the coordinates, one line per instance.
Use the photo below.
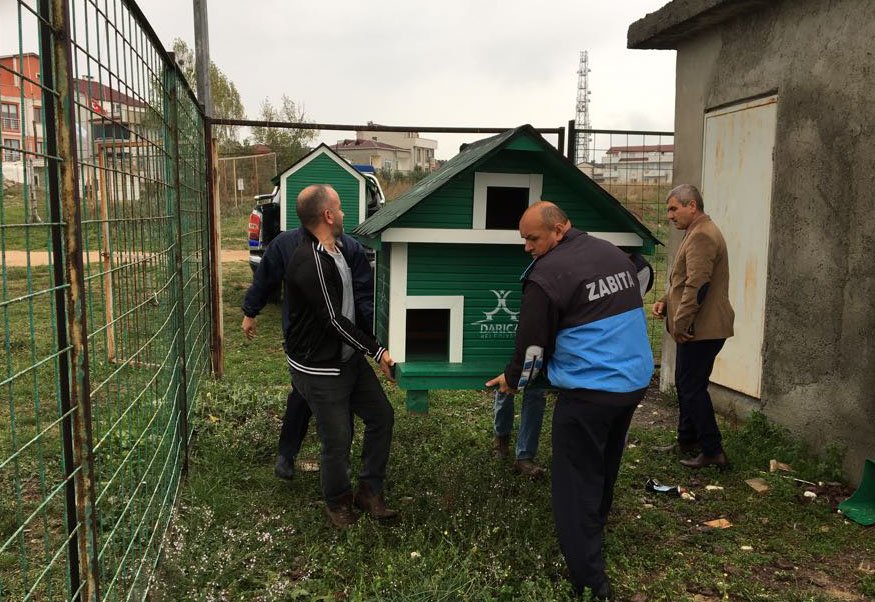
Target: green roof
(470, 155)
(522, 137)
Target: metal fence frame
(641, 188)
(109, 323)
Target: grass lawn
(472, 530)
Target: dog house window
(428, 335)
(501, 198)
(505, 206)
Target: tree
(289, 144)
(226, 98)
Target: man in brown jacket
(699, 317)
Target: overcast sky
(443, 63)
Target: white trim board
(484, 179)
(456, 305)
(400, 302)
(487, 237)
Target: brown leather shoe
(528, 468)
(677, 447)
(373, 503)
(701, 461)
(501, 446)
(341, 513)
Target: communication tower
(581, 122)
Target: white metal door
(737, 190)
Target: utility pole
(202, 55)
(584, 139)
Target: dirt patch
(19, 259)
(656, 410)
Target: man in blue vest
(582, 316)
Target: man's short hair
(686, 193)
(311, 203)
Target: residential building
(20, 110)
(380, 155)
(109, 122)
(420, 151)
(650, 164)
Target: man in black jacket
(267, 278)
(326, 354)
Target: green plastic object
(860, 507)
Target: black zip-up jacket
(272, 270)
(317, 328)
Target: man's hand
(659, 309)
(386, 365)
(248, 327)
(683, 337)
(500, 382)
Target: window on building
(11, 149)
(38, 115)
(39, 147)
(505, 206)
(9, 117)
(109, 131)
(387, 165)
(428, 335)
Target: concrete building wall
(819, 356)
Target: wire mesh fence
(636, 168)
(239, 179)
(105, 297)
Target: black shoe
(603, 593)
(284, 469)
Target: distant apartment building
(20, 108)
(395, 151)
(650, 164)
(377, 154)
(595, 171)
(108, 121)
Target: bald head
(548, 213)
(542, 226)
(311, 202)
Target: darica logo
(500, 322)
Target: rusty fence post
(77, 331)
(50, 109)
(171, 83)
(217, 341)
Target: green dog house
(322, 165)
(449, 257)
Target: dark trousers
(332, 400)
(295, 423)
(692, 371)
(588, 442)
